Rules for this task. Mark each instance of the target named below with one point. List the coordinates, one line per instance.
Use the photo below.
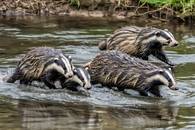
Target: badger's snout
(173, 44)
(87, 86)
(173, 87)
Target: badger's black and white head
(61, 64)
(82, 77)
(166, 38)
(154, 35)
(162, 77)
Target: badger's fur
(81, 77)
(43, 64)
(140, 42)
(117, 69)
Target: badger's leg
(121, 88)
(47, 79)
(24, 81)
(155, 90)
(71, 86)
(144, 56)
(62, 82)
(161, 56)
(143, 93)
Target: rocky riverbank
(119, 9)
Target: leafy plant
(75, 2)
(183, 6)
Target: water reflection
(46, 116)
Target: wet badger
(117, 69)
(44, 64)
(140, 42)
(81, 78)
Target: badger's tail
(15, 76)
(11, 79)
(102, 45)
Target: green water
(31, 108)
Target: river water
(32, 108)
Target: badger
(43, 64)
(81, 79)
(140, 42)
(117, 69)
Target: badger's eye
(56, 61)
(82, 79)
(168, 40)
(157, 33)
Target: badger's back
(116, 68)
(33, 64)
(122, 39)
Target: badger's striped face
(66, 65)
(169, 77)
(155, 36)
(164, 77)
(84, 76)
(166, 38)
(62, 65)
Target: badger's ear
(157, 33)
(70, 58)
(166, 30)
(75, 70)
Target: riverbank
(119, 9)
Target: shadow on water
(27, 107)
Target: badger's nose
(175, 44)
(87, 87)
(173, 88)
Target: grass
(180, 7)
(74, 2)
(185, 7)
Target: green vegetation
(179, 7)
(74, 2)
(184, 7)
